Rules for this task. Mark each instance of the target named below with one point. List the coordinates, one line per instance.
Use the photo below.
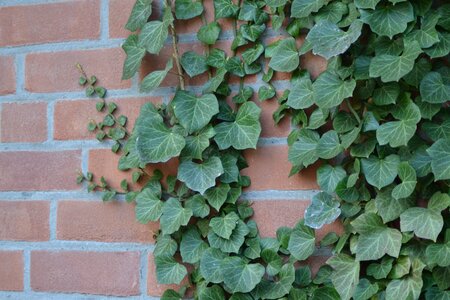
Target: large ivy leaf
(285, 57)
(192, 246)
(244, 132)
(301, 95)
(303, 152)
(217, 196)
(388, 20)
(427, 35)
(224, 226)
(438, 254)
(193, 63)
(135, 54)
(408, 287)
(302, 242)
(225, 9)
(140, 13)
(375, 239)
(434, 89)
(194, 112)
(303, 8)
(328, 177)
(209, 33)
(149, 206)
(239, 276)
(390, 208)
(425, 223)
(153, 35)
(409, 180)
(392, 67)
(210, 265)
(275, 290)
(174, 216)
(380, 172)
(328, 145)
(165, 245)
(324, 209)
(439, 201)
(345, 276)
(187, 9)
(328, 40)
(168, 270)
(200, 176)
(330, 90)
(155, 142)
(234, 243)
(154, 79)
(440, 159)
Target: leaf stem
(176, 56)
(355, 114)
(204, 21)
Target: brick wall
(56, 240)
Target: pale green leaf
(239, 276)
(440, 159)
(328, 145)
(390, 208)
(135, 54)
(153, 35)
(330, 90)
(345, 276)
(200, 176)
(324, 209)
(438, 254)
(154, 79)
(275, 290)
(174, 216)
(210, 265)
(425, 223)
(303, 152)
(234, 243)
(192, 246)
(193, 63)
(328, 177)
(407, 175)
(285, 57)
(149, 206)
(188, 9)
(434, 89)
(168, 270)
(380, 172)
(142, 9)
(224, 226)
(225, 9)
(365, 290)
(301, 95)
(303, 8)
(302, 242)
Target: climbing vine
(377, 119)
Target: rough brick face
(38, 171)
(8, 75)
(11, 271)
(105, 273)
(44, 23)
(24, 220)
(23, 122)
(106, 222)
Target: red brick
(105, 222)
(56, 71)
(8, 77)
(45, 23)
(71, 117)
(39, 171)
(314, 263)
(153, 287)
(269, 170)
(269, 128)
(24, 220)
(11, 271)
(105, 273)
(23, 122)
(102, 162)
(273, 214)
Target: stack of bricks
(57, 240)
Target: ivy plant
(377, 120)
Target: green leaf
(135, 54)
(437, 131)
(303, 152)
(427, 35)
(153, 35)
(392, 67)
(328, 145)
(408, 176)
(325, 293)
(345, 276)
(165, 245)
(408, 287)
(302, 242)
(244, 132)
(365, 290)
(303, 8)
(239, 276)
(390, 208)
(425, 223)
(380, 270)
(214, 292)
(154, 141)
(209, 33)
(188, 9)
(273, 261)
(252, 32)
(234, 243)
(388, 20)
(434, 89)
(198, 206)
(442, 277)
(380, 172)
(252, 54)
(224, 226)
(438, 254)
(200, 176)
(366, 3)
(154, 79)
(171, 295)
(421, 162)
(330, 90)
(211, 265)
(301, 95)
(149, 206)
(328, 40)
(275, 290)
(140, 13)
(193, 63)
(195, 145)
(324, 209)
(174, 216)
(168, 270)
(441, 48)
(225, 9)
(230, 169)
(285, 57)
(328, 177)
(386, 94)
(440, 159)
(439, 201)
(192, 246)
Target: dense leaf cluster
(377, 119)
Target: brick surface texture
(56, 240)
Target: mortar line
(26, 269)
(6, 3)
(50, 121)
(35, 295)
(84, 160)
(104, 20)
(20, 74)
(68, 245)
(53, 218)
(143, 272)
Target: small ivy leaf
(217, 196)
(252, 32)
(239, 276)
(140, 13)
(112, 107)
(82, 80)
(420, 69)
(252, 54)
(171, 295)
(345, 276)
(439, 201)
(380, 270)
(224, 226)
(276, 290)
(380, 172)
(108, 120)
(192, 246)
(285, 57)
(409, 181)
(187, 9)
(244, 94)
(168, 270)
(174, 216)
(365, 289)
(101, 91)
(438, 254)
(441, 48)
(437, 131)
(266, 92)
(154, 79)
(440, 159)
(136, 176)
(235, 66)
(234, 243)
(212, 84)
(390, 208)
(324, 209)
(92, 126)
(386, 94)
(328, 177)
(301, 242)
(200, 177)
(216, 57)
(149, 206)
(90, 91)
(425, 223)
(225, 9)
(328, 145)
(407, 287)
(209, 33)
(304, 8)
(434, 89)
(329, 90)
(194, 64)
(153, 35)
(303, 151)
(301, 95)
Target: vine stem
(204, 22)
(350, 107)
(176, 55)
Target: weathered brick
(269, 169)
(24, 220)
(11, 271)
(53, 22)
(39, 171)
(153, 287)
(23, 122)
(272, 214)
(71, 117)
(56, 71)
(8, 78)
(269, 128)
(105, 222)
(105, 273)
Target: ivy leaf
(380, 270)
(328, 40)
(187, 9)
(198, 206)
(325, 292)
(165, 245)
(155, 142)
(192, 246)
(252, 32)
(409, 181)
(224, 226)
(392, 67)
(174, 216)
(390, 208)
(234, 243)
(252, 54)
(273, 260)
(439, 201)
(303, 152)
(425, 223)
(214, 292)
(135, 54)
(302, 242)
(154, 79)
(193, 63)
(330, 90)
(149, 206)
(209, 33)
(275, 290)
(388, 20)
(217, 196)
(285, 57)
(345, 276)
(328, 177)
(304, 8)
(195, 145)
(200, 176)
(427, 35)
(438, 254)
(441, 48)
(366, 3)
(153, 35)
(440, 159)
(324, 209)
(437, 131)
(433, 89)
(301, 95)
(328, 145)
(168, 270)
(380, 172)
(365, 290)
(214, 82)
(210, 265)
(239, 276)
(408, 287)
(244, 132)
(441, 276)
(386, 94)
(225, 9)
(231, 171)
(140, 13)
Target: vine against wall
(377, 119)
